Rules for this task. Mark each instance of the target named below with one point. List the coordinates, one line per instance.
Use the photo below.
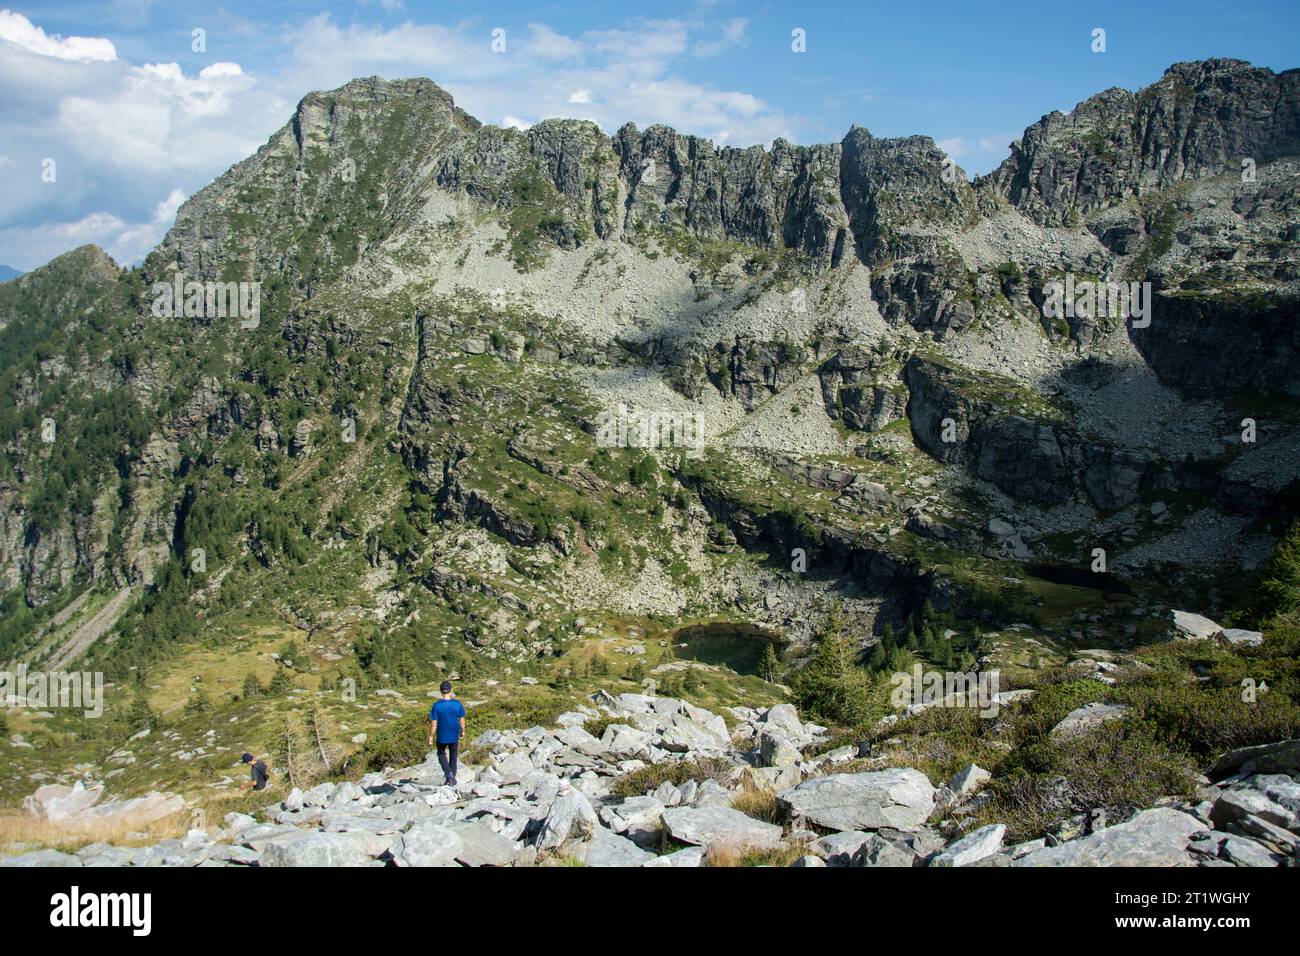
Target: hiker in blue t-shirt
(447, 718)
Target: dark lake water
(738, 646)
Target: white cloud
(653, 42)
(549, 45)
(621, 75)
(18, 30)
(999, 142)
(125, 242)
(134, 242)
(732, 34)
(978, 152)
(156, 118)
(514, 122)
(954, 146)
(326, 56)
(220, 69)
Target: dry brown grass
(20, 832)
(558, 856)
(730, 855)
(757, 803)
(26, 831)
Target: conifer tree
(691, 681)
(199, 704)
(141, 716)
(252, 687)
(281, 683)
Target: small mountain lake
(738, 646)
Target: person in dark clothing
(259, 773)
(447, 720)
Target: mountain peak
(1202, 118)
(89, 258)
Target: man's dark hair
(247, 758)
(446, 687)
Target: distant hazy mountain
(8, 272)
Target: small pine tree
(691, 681)
(897, 661)
(1281, 586)
(141, 717)
(947, 659)
(199, 704)
(291, 655)
(769, 666)
(281, 683)
(252, 687)
(831, 686)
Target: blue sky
(136, 120)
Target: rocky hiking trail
(564, 796)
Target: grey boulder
(430, 844)
(1157, 837)
(719, 826)
(610, 849)
(1088, 717)
(1273, 797)
(315, 848)
(901, 799)
(571, 817)
(481, 845)
(973, 847)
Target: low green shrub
(1034, 719)
(401, 744)
(1204, 720)
(677, 772)
(1120, 767)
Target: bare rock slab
(1152, 838)
(973, 847)
(719, 826)
(899, 799)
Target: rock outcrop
(548, 795)
(1201, 119)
